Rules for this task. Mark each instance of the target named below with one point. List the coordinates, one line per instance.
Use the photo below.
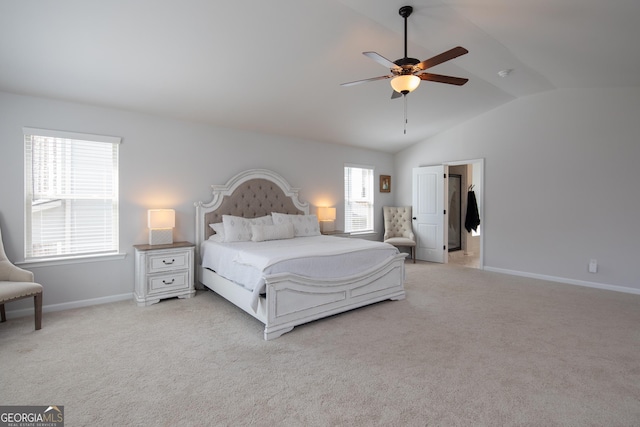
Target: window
(71, 194)
(358, 198)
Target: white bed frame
(292, 300)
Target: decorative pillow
(303, 225)
(218, 227)
(217, 238)
(260, 233)
(238, 229)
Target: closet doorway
(465, 181)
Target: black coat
(472, 220)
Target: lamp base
(326, 226)
(161, 236)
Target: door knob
(414, 218)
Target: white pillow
(260, 233)
(238, 229)
(218, 227)
(219, 238)
(303, 225)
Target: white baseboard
(123, 297)
(68, 305)
(605, 286)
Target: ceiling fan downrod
(405, 12)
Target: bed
(273, 282)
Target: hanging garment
(472, 221)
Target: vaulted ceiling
(276, 66)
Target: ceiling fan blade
(443, 57)
(357, 82)
(458, 81)
(395, 95)
(381, 60)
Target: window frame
(74, 139)
(371, 203)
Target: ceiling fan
(406, 73)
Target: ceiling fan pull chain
(405, 114)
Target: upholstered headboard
(253, 198)
(250, 194)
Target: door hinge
(444, 248)
(445, 176)
(445, 211)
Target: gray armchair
(15, 284)
(398, 230)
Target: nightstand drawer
(168, 261)
(169, 282)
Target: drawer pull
(168, 283)
(165, 262)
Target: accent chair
(15, 284)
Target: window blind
(71, 194)
(358, 198)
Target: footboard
(293, 300)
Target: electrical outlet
(593, 266)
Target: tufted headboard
(253, 198)
(252, 193)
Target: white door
(429, 214)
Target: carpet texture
(465, 348)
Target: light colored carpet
(466, 260)
(466, 348)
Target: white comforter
(247, 263)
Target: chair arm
(412, 236)
(12, 273)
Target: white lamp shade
(326, 214)
(161, 218)
(405, 84)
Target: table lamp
(327, 218)
(161, 223)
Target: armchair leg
(413, 253)
(37, 304)
(3, 315)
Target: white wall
(163, 163)
(562, 183)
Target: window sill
(363, 234)
(47, 262)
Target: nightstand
(163, 271)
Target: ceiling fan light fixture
(405, 84)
